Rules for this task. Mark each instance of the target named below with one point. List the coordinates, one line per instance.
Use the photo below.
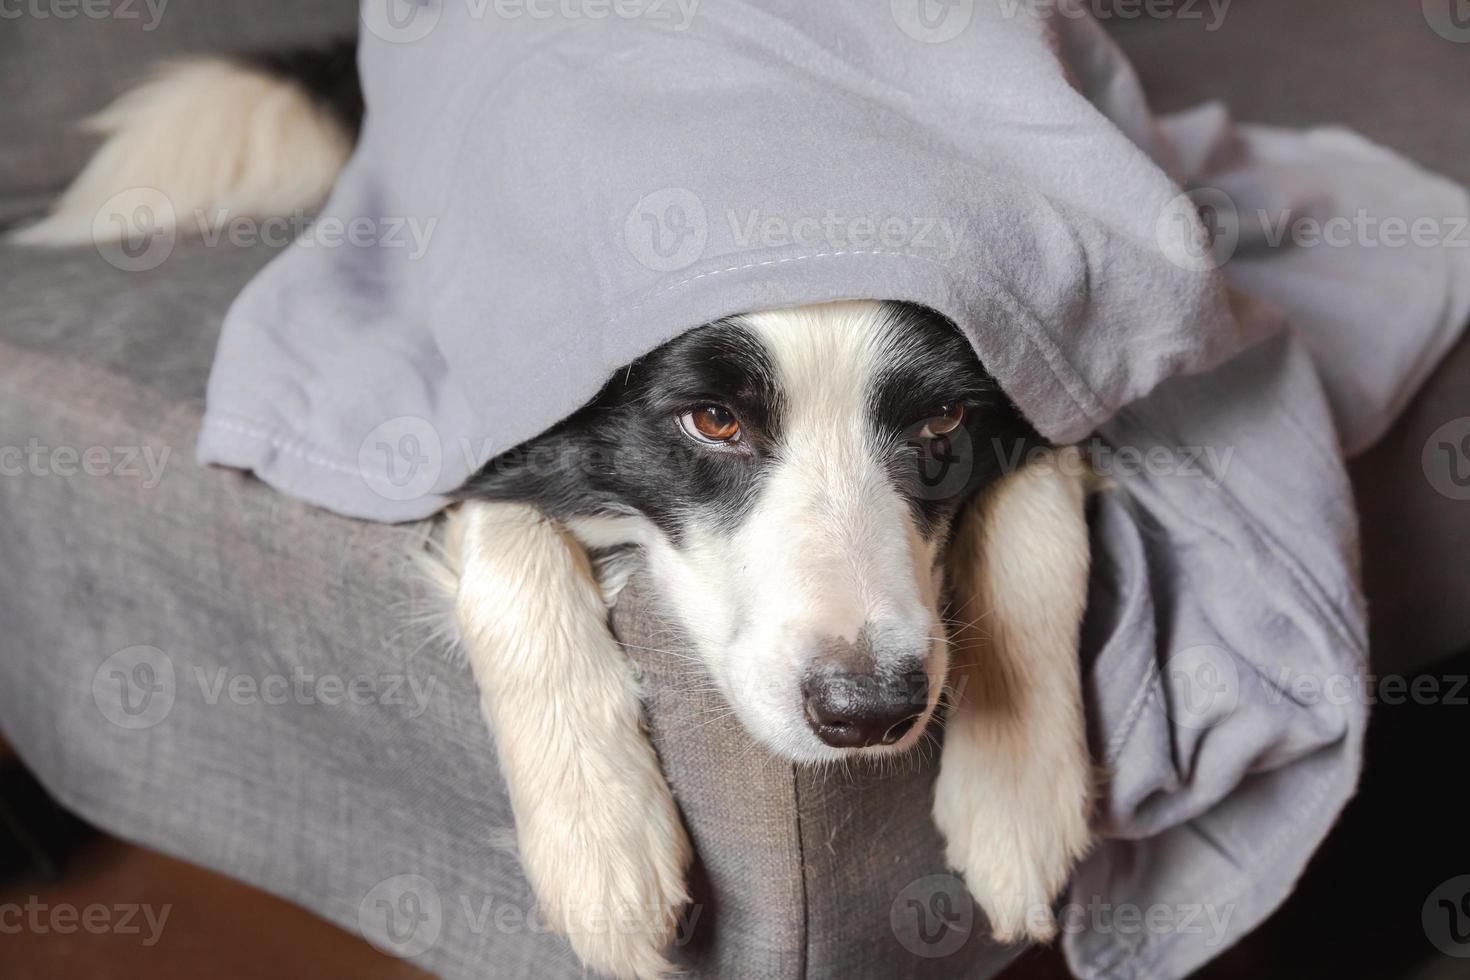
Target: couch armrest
(834, 873)
(1416, 526)
(205, 666)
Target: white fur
(829, 548)
(596, 826)
(211, 136)
(1014, 791)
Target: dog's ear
(1014, 791)
(562, 472)
(570, 469)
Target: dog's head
(791, 477)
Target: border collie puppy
(819, 497)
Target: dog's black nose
(849, 711)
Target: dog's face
(791, 477)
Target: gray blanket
(536, 201)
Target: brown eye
(711, 423)
(946, 421)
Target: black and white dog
(773, 473)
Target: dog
(774, 475)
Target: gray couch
(206, 667)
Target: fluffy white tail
(201, 141)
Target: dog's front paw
(1014, 792)
(1014, 828)
(607, 861)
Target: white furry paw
(1014, 829)
(596, 826)
(608, 870)
(1014, 791)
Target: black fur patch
(624, 451)
(328, 73)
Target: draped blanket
(1221, 312)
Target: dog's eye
(943, 422)
(711, 424)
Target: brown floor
(204, 926)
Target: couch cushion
(1378, 68)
